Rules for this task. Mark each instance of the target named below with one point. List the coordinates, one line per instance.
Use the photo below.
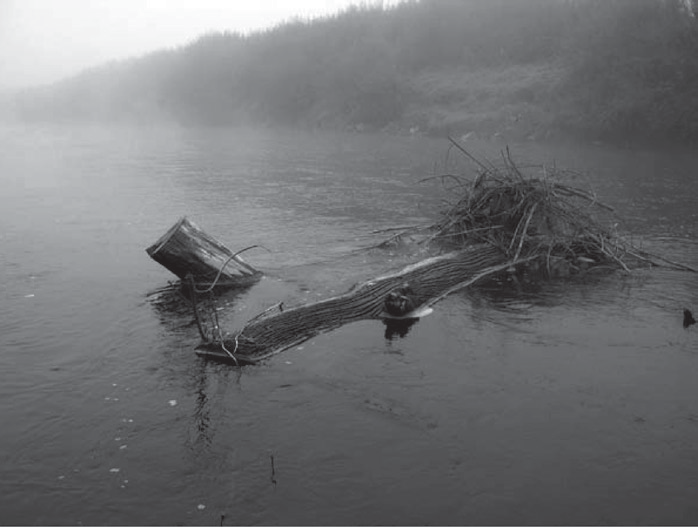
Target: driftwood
(190, 253)
(501, 220)
(429, 280)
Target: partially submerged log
(428, 281)
(501, 220)
(188, 251)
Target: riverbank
(505, 102)
(535, 102)
(622, 72)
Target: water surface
(573, 402)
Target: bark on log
(429, 280)
(186, 249)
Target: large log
(185, 249)
(429, 281)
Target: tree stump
(185, 249)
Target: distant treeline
(599, 67)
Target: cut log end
(185, 249)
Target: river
(575, 402)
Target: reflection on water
(212, 383)
(585, 386)
(398, 328)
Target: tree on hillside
(627, 65)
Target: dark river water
(571, 403)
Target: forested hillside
(531, 68)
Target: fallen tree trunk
(429, 280)
(185, 249)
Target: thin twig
(525, 230)
(273, 471)
(195, 307)
(647, 257)
(230, 259)
(468, 154)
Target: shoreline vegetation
(610, 70)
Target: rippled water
(573, 402)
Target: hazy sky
(45, 40)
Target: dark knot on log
(688, 318)
(400, 301)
